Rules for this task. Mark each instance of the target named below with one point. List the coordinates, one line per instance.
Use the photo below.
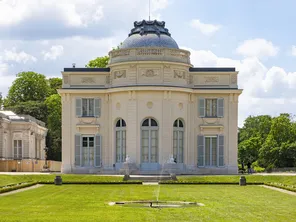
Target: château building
(151, 105)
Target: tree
(99, 62)
(28, 86)
(1, 101)
(54, 85)
(248, 150)
(255, 126)
(54, 107)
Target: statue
(128, 159)
(172, 159)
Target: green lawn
(90, 203)
(287, 180)
(12, 179)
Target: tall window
(211, 107)
(120, 130)
(87, 150)
(211, 151)
(17, 144)
(178, 141)
(88, 107)
(149, 141)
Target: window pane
(214, 107)
(176, 123)
(91, 141)
(175, 144)
(118, 123)
(123, 123)
(180, 124)
(181, 142)
(214, 151)
(84, 141)
(118, 148)
(91, 107)
(146, 122)
(153, 122)
(145, 146)
(207, 150)
(84, 107)
(208, 107)
(123, 145)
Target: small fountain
(128, 167)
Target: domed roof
(149, 34)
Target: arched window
(120, 137)
(149, 141)
(178, 141)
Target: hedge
(18, 186)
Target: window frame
(88, 107)
(179, 129)
(121, 129)
(211, 152)
(17, 156)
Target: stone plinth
(128, 168)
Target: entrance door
(88, 151)
(149, 144)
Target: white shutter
(202, 107)
(200, 150)
(97, 107)
(77, 150)
(221, 150)
(220, 107)
(98, 145)
(78, 107)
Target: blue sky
(256, 37)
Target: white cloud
(54, 52)
(293, 50)
(266, 91)
(13, 55)
(73, 12)
(257, 48)
(206, 29)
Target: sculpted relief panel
(77, 80)
(179, 74)
(211, 80)
(150, 72)
(88, 80)
(119, 74)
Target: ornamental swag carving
(149, 73)
(179, 74)
(119, 74)
(87, 80)
(211, 79)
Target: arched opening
(178, 141)
(149, 141)
(120, 140)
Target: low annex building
(22, 142)
(150, 107)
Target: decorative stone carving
(149, 105)
(66, 79)
(87, 80)
(179, 74)
(119, 74)
(233, 79)
(178, 53)
(118, 106)
(149, 52)
(211, 79)
(149, 73)
(180, 106)
(122, 52)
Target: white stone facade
(150, 104)
(21, 137)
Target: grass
(90, 203)
(287, 180)
(13, 179)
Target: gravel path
(279, 189)
(21, 190)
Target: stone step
(150, 178)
